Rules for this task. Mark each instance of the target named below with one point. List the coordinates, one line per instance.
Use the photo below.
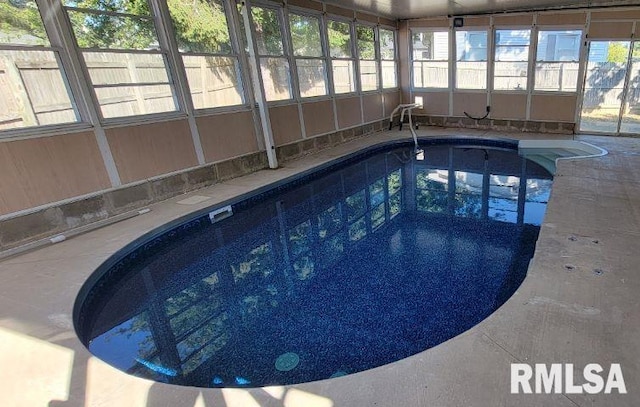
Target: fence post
(204, 80)
(133, 74)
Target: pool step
(547, 152)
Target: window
(430, 59)
(557, 60)
(307, 50)
(432, 190)
(503, 198)
(511, 59)
(388, 58)
(471, 59)
(274, 64)
(367, 55)
(33, 90)
(210, 60)
(341, 52)
(121, 52)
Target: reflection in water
(369, 264)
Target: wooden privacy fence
(550, 76)
(32, 90)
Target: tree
(305, 36)
(617, 53)
(339, 39)
(200, 25)
(20, 23)
(95, 30)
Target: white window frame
(531, 56)
(56, 46)
(324, 48)
(376, 57)
(489, 60)
(581, 62)
(235, 54)
(162, 50)
(353, 58)
(283, 21)
(395, 59)
(450, 66)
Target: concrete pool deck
(579, 304)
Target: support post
(254, 64)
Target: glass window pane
(135, 100)
(305, 36)
(200, 26)
(471, 57)
(471, 75)
(20, 23)
(369, 75)
(343, 76)
(559, 46)
(213, 81)
(311, 77)
(557, 55)
(268, 36)
(389, 79)
(32, 90)
(511, 56)
(366, 42)
(387, 44)
(275, 77)
(111, 68)
(114, 32)
(139, 7)
(471, 46)
(430, 54)
(430, 45)
(339, 39)
(604, 85)
(427, 74)
(512, 38)
(557, 76)
(631, 115)
(510, 75)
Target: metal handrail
(406, 108)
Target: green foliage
(20, 23)
(200, 25)
(366, 42)
(387, 44)
(95, 30)
(617, 53)
(267, 27)
(339, 39)
(305, 35)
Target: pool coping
(469, 369)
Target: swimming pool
(368, 260)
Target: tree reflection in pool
(365, 265)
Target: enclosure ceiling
(406, 9)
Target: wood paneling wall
(38, 171)
(227, 135)
(148, 150)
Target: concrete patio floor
(589, 314)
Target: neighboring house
(431, 46)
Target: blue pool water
(373, 259)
